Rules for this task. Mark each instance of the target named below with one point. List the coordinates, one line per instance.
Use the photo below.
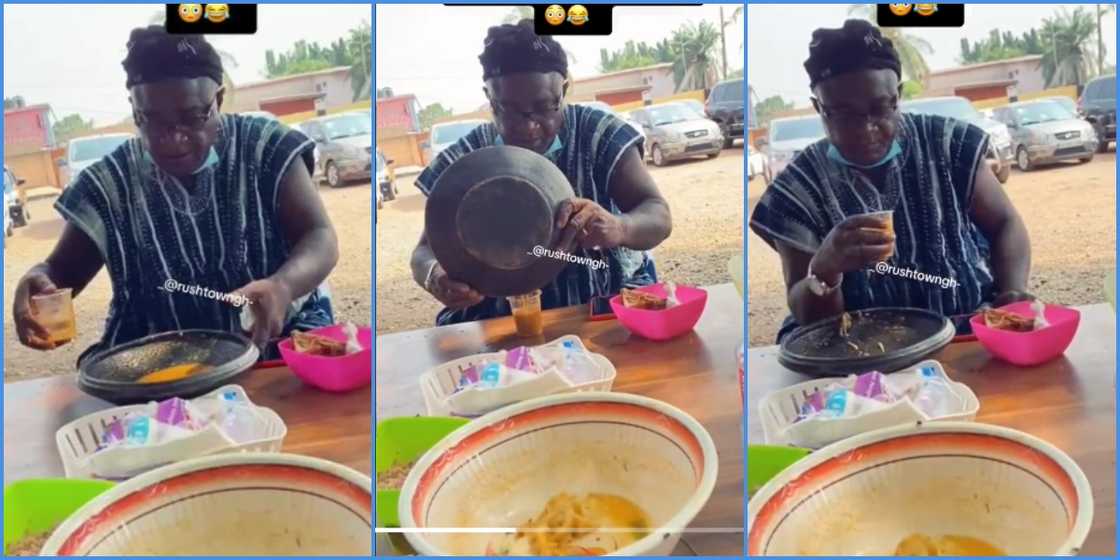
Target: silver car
(1046, 132)
(607, 108)
(674, 131)
(342, 146)
(790, 136)
(999, 149)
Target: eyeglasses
(191, 123)
(540, 114)
(846, 119)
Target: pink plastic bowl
(1029, 348)
(344, 373)
(667, 323)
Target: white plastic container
(779, 410)
(77, 441)
(438, 384)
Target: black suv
(1098, 106)
(725, 106)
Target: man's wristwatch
(819, 287)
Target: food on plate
(393, 478)
(1007, 321)
(29, 545)
(643, 300)
(845, 325)
(593, 525)
(317, 345)
(919, 544)
(173, 373)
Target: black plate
(112, 374)
(908, 336)
(487, 213)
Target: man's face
(528, 108)
(178, 121)
(860, 113)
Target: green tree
(1069, 55)
(911, 89)
(14, 102)
(912, 50)
(70, 126)
(431, 114)
(769, 108)
(1000, 46)
(360, 44)
(635, 55)
(352, 51)
(696, 57)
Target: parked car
(999, 145)
(87, 150)
(15, 213)
(624, 116)
(725, 107)
(1069, 104)
(696, 106)
(757, 164)
(343, 146)
(1045, 132)
(789, 136)
(386, 179)
(447, 133)
(1098, 106)
(673, 132)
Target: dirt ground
(706, 198)
(349, 209)
(1070, 212)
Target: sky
(771, 29)
(59, 67)
(432, 51)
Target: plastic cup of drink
(55, 312)
(527, 313)
(886, 218)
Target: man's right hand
(455, 295)
(854, 244)
(31, 333)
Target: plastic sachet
(926, 388)
(351, 331)
(509, 368)
(174, 430)
(671, 294)
(1039, 309)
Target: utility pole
(723, 36)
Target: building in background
(989, 80)
(30, 149)
(626, 86)
(321, 90)
(398, 113)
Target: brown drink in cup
(527, 313)
(886, 218)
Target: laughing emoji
(577, 15)
(899, 9)
(554, 14)
(217, 13)
(925, 9)
(190, 13)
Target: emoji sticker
(190, 13)
(577, 15)
(899, 9)
(925, 9)
(217, 13)
(554, 14)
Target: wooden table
(1069, 402)
(696, 372)
(335, 427)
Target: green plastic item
(38, 506)
(402, 440)
(1110, 288)
(764, 462)
(735, 269)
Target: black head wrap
(516, 49)
(858, 45)
(155, 55)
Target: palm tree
(1102, 10)
(359, 47)
(911, 49)
(695, 64)
(1069, 55)
(228, 61)
(731, 20)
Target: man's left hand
(1011, 296)
(268, 299)
(586, 224)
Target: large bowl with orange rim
(499, 471)
(864, 495)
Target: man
(619, 210)
(200, 200)
(951, 217)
